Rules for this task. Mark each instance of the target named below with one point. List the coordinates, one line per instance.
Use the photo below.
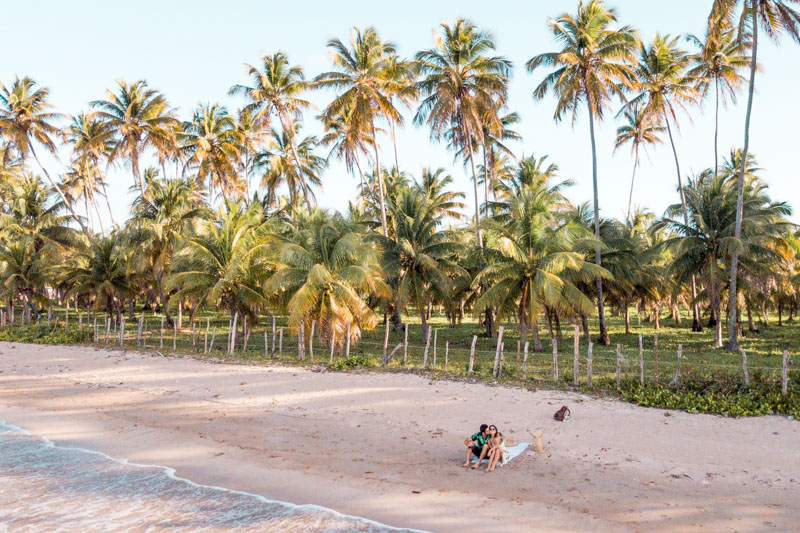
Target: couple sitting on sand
(488, 444)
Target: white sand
(361, 443)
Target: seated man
(476, 444)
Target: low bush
(41, 334)
(355, 361)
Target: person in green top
(476, 444)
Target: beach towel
(513, 451)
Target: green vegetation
(225, 237)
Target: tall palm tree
(158, 224)
(328, 269)
(434, 185)
(348, 140)
(363, 71)
(461, 83)
(536, 259)
(277, 88)
(279, 163)
(775, 17)
(101, 269)
(665, 86)
(92, 143)
(211, 144)
(593, 65)
(419, 252)
(26, 119)
(140, 118)
(252, 135)
(640, 129)
(721, 56)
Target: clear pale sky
(193, 51)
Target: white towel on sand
(513, 451)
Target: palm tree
(92, 142)
(775, 17)
(461, 83)
(211, 145)
(720, 58)
(279, 163)
(328, 269)
(158, 224)
(536, 259)
(277, 89)
(592, 66)
(140, 118)
(348, 140)
(640, 130)
(252, 134)
(222, 261)
(364, 71)
(665, 85)
(434, 184)
(26, 120)
(419, 253)
(101, 269)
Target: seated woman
(491, 431)
(497, 451)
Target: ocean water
(46, 487)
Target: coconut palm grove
(225, 242)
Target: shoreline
(287, 434)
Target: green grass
(711, 379)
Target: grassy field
(711, 380)
(764, 349)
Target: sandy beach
(388, 447)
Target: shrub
(41, 334)
(355, 361)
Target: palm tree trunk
(696, 326)
(475, 186)
(604, 339)
(394, 143)
(287, 128)
(716, 127)
(733, 339)
(108, 204)
(627, 318)
(485, 185)
(380, 181)
(633, 177)
(59, 191)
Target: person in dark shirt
(476, 444)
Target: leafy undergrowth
(44, 335)
(355, 361)
(722, 397)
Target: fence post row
(497, 352)
(589, 365)
(472, 354)
(525, 361)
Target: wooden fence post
(280, 343)
(497, 351)
(385, 338)
(311, 341)
(446, 354)
(427, 344)
(519, 349)
(272, 350)
(655, 355)
(619, 365)
(589, 365)
(139, 330)
(677, 378)
(205, 339)
(525, 361)
(266, 344)
(194, 333)
(435, 335)
(744, 369)
(641, 361)
(785, 374)
(333, 344)
(161, 344)
(232, 334)
(405, 345)
(213, 335)
(555, 359)
(121, 329)
(246, 336)
(502, 358)
(94, 337)
(175, 336)
(576, 368)
(107, 328)
(301, 341)
(472, 354)
(347, 343)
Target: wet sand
(388, 447)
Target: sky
(193, 51)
